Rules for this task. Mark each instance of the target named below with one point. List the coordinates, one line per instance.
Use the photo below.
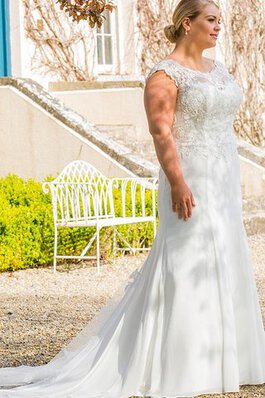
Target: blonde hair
(185, 8)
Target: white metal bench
(83, 197)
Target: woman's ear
(186, 23)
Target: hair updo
(185, 8)
(171, 33)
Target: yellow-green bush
(27, 232)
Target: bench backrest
(81, 192)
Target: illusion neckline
(193, 70)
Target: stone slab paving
(40, 311)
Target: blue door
(5, 66)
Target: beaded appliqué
(205, 109)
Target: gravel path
(40, 311)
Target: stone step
(254, 223)
(254, 214)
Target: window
(105, 41)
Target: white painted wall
(35, 144)
(15, 37)
(110, 107)
(125, 45)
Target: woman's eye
(211, 20)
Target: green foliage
(27, 231)
(140, 234)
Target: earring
(186, 32)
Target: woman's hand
(182, 199)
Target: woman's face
(205, 28)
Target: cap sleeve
(168, 68)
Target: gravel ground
(40, 311)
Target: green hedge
(27, 232)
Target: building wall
(126, 48)
(119, 108)
(124, 45)
(33, 143)
(19, 53)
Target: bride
(189, 323)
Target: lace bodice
(206, 106)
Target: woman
(190, 321)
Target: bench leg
(154, 228)
(114, 241)
(55, 248)
(98, 249)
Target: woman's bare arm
(160, 99)
(160, 96)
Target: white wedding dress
(189, 322)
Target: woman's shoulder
(169, 67)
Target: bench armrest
(133, 195)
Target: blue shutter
(5, 65)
